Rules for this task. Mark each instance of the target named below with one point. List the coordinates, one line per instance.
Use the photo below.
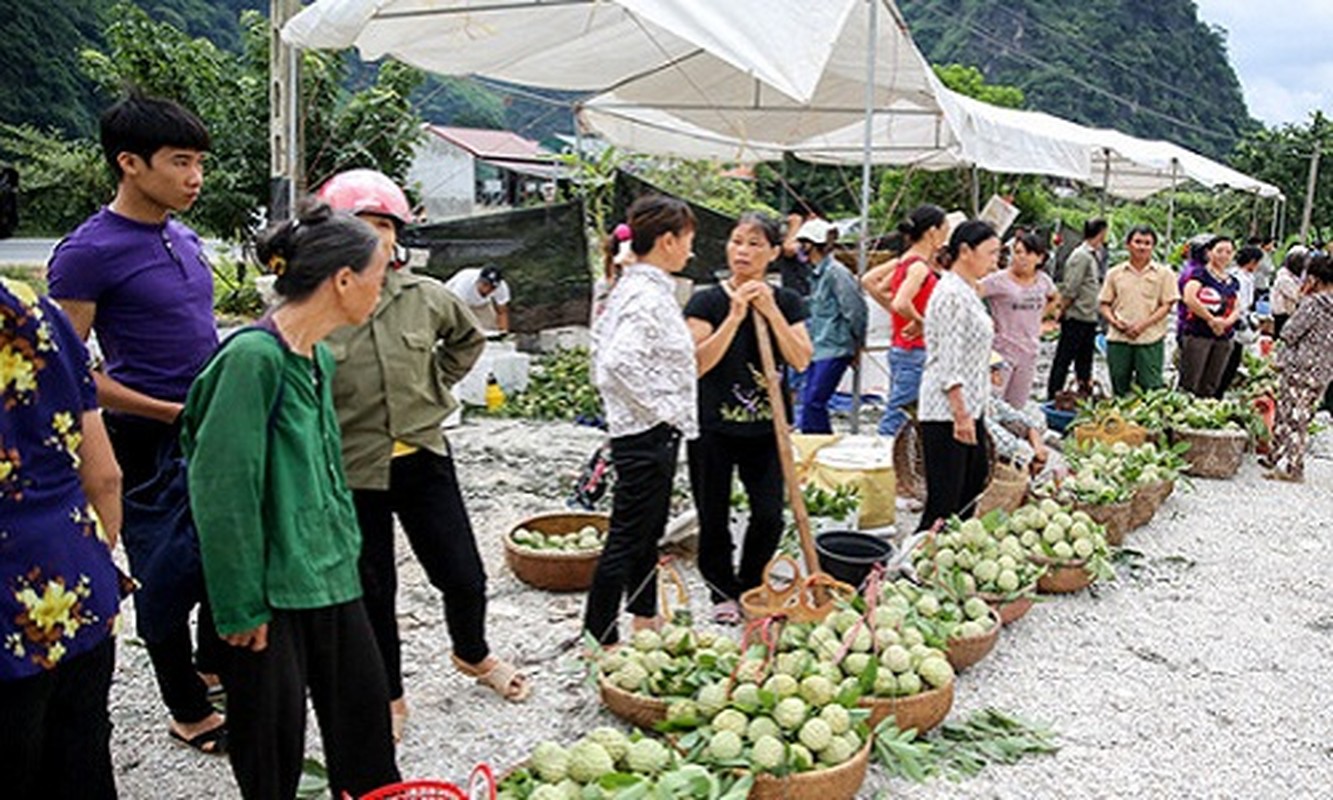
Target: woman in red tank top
(903, 287)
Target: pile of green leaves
(838, 503)
(1257, 377)
(961, 751)
(559, 388)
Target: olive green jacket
(395, 372)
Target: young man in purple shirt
(139, 279)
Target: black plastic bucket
(850, 555)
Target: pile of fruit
(673, 664)
(1167, 409)
(936, 613)
(1127, 466)
(1053, 534)
(585, 540)
(969, 558)
(607, 763)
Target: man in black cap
(485, 292)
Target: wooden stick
(779, 406)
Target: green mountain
(1147, 67)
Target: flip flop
(502, 678)
(212, 742)
(727, 613)
(397, 723)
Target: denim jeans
(821, 381)
(905, 368)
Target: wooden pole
(779, 406)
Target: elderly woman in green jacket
(392, 391)
(277, 529)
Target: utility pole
(1309, 192)
(285, 135)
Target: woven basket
(909, 462)
(1147, 499)
(807, 599)
(963, 652)
(837, 783)
(922, 711)
(1212, 454)
(1007, 489)
(1114, 517)
(1065, 578)
(555, 571)
(636, 709)
(1111, 430)
(1010, 611)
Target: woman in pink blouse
(1020, 297)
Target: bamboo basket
(637, 709)
(1114, 517)
(922, 711)
(1010, 611)
(804, 599)
(1111, 430)
(1212, 454)
(1147, 499)
(836, 783)
(1007, 489)
(909, 462)
(965, 652)
(1065, 578)
(555, 571)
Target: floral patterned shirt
(643, 356)
(59, 593)
(1307, 341)
(958, 347)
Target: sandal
(727, 613)
(502, 678)
(1282, 475)
(212, 742)
(397, 721)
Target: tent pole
(863, 241)
(1106, 178)
(1171, 206)
(976, 191)
(1309, 193)
(1272, 227)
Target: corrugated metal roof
(492, 144)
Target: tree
(1281, 156)
(969, 81)
(373, 127)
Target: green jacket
(420, 341)
(1080, 284)
(277, 528)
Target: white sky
(1282, 51)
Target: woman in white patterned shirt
(643, 364)
(955, 385)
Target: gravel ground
(1201, 673)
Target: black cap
(491, 274)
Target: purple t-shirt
(154, 295)
(1016, 310)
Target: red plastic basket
(481, 786)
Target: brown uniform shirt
(1134, 295)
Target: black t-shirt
(795, 274)
(733, 397)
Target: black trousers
(714, 458)
(55, 732)
(1078, 342)
(139, 444)
(331, 652)
(423, 492)
(956, 473)
(1230, 371)
(645, 466)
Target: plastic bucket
(848, 555)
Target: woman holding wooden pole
(735, 409)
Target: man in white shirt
(485, 292)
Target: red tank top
(919, 302)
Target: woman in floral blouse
(59, 519)
(955, 386)
(1305, 368)
(643, 364)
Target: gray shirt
(1081, 283)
